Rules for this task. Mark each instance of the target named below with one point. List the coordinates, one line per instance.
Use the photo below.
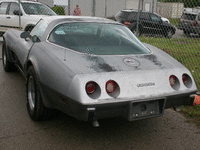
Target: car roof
(62, 18)
(129, 10)
(190, 12)
(18, 1)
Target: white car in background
(30, 13)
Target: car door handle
(8, 17)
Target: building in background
(170, 10)
(108, 8)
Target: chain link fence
(171, 25)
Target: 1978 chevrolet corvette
(94, 68)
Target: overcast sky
(60, 2)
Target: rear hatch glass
(191, 17)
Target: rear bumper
(190, 29)
(129, 110)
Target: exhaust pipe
(92, 117)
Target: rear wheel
(1, 33)
(29, 28)
(169, 34)
(136, 32)
(186, 32)
(36, 109)
(8, 66)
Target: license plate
(147, 109)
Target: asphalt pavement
(17, 131)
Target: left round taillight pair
(93, 89)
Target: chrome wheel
(4, 57)
(31, 93)
(169, 34)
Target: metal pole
(138, 18)
(93, 7)
(19, 15)
(105, 8)
(69, 9)
(153, 6)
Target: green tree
(187, 3)
(59, 10)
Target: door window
(144, 16)
(155, 18)
(13, 6)
(39, 29)
(3, 8)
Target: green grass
(174, 21)
(192, 113)
(187, 52)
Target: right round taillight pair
(92, 87)
(175, 84)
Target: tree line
(187, 3)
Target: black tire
(29, 28)
(1, 33)
(169, 34)
(135, 32)
(35, 106)
(186, 32)
(8, 66)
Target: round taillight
(172, 80)
(184, 78)
(127, 23)
(110, 86)
(187, 81)
(195, 23)
(90, 87)
(179, 20)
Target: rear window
(126, 15)
(121, 15)
(97, 38)
(189, 16)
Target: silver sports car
(94, 68)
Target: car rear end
(189, 23)
(126, 17)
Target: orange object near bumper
(196, 100)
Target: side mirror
(24, 35)
(17, 12)
(35, 39)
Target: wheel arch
(32, 63)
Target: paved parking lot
(1, 39)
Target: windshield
(37, 9)
(97, 38)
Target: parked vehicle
(30, 13)
(94, 68)
(148, 23)
(189, 22)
